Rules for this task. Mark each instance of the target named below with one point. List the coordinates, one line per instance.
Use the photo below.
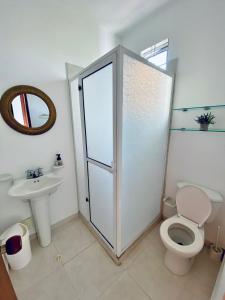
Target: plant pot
(204, 127)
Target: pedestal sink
(38, 191)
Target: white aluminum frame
(88, 71)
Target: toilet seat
(187, 250)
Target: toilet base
(177, 264)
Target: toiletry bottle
(58, 161)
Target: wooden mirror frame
(6, 111)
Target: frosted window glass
(146, 110)
(101, 200)
(98, 106)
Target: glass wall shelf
(195, 129)
(205, 107)
(183, 118)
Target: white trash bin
(23, 257)
(169, 207)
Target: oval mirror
(27, 110)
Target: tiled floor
(85, 272)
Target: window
(157, 54)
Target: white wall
(196, 37)
(37, 38)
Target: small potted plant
(204, 121)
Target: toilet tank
(215, 197)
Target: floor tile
(204, 269)
(87, 272)
(151, 242)
(71, 239)
(201, 278)
(43, 263)
(124, 289)
(55, 286)
(149, 272)
(92, 272)
(193, 290)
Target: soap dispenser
(58, 161)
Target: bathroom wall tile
(55, 286)
(43, 263)
(124, 288)
(92, 272)
(71, 239)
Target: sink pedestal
(40, 211)
(38, 191)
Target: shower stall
(121, 114)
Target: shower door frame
(111, 58)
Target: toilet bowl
(183, 241)
(183, 234)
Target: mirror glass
(29, 110)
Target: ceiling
(117, 15)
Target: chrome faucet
(34, 173)
(39, 172)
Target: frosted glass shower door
(98, 108)
(97, 102)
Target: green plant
(205, 119)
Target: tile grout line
(146, 294)
(106, 256)
(78, 253)
(37, 282)
(111, 284)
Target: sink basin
(32, 189)
(38, 191)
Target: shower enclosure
(121, 115)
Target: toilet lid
(193, 204)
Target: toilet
(183, 234)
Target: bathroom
(38, 38)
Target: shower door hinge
(87, 200)
(79, 87)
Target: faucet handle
(29, 174)
(40, 172)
